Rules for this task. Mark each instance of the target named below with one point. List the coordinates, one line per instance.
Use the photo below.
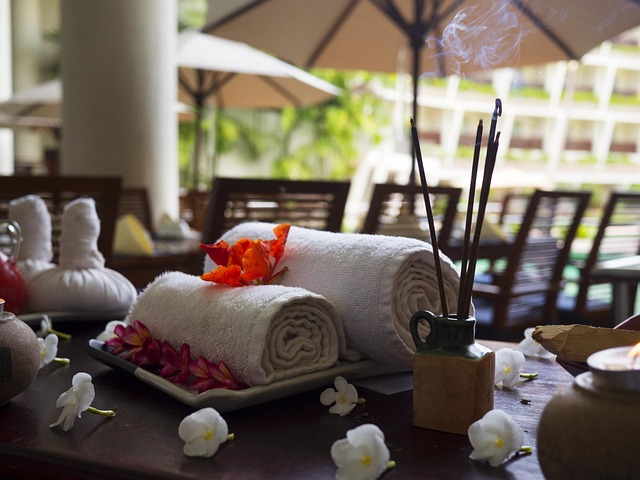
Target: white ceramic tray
(228, 400)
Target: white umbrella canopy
(234, 75)
(443, 36)
(42, 101)
(229, 74)
(41, 106)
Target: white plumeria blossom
(203, 432)
(509, 363)
(75, 400)
(530, 348)
(363, 455)
(494, 437)
(48, 349)
(45, 326)
(345, 397)
(108, 332)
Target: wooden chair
(618, 235)
(525, 294)
(193, 207)
(58, 191)
(311, 204)
(389, 202)
(135, 200)
(514, 206)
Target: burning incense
(432, 228)
(466, 287)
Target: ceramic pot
(19, 355)
(587, 432)
(453, 375)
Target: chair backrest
(58, 191)
(311, 204)
(390, 201)
(533, 275)
(194, 205)
(618, 236)
(135, 200)
(514, 206)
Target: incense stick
(432, 228)
(468, 221)
(492, 149)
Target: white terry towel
(263, 333)
(376, 283)
(80, 283)
(35, 253)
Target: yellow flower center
(366, 460)
(499, 442)
(208, 435)
(342, 399)
(507, 369)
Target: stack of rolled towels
(344, 297)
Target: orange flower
(247, 262)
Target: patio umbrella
(230, 74)
(444, 36)
(41, 106)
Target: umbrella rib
(342, 18)
(185, 84)
(281, 90)
(543, 27)
(237, 13)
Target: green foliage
(320, 141)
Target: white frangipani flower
(494, 437)
(75, 400)
(363, 455)
(46, 327)
(530, 348)
(48, 349)
(345, 397)
(203, 432)
(108, 332)
(509, 363)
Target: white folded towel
(80, 283)
(35, 253)
(376, 283)
(263, 333)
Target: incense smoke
(485, 35)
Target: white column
(120, 88)
(6, 136)
(27, 42)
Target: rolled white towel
(376, 283)
(80, 283)
(35, 253)
(263, 333)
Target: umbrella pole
(415, 47)
(198, 143)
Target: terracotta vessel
(19, 355)
(589, 431)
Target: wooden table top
(284, 439)
(626, 268)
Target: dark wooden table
(624, 275)
(171, 255)
(284, 439)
